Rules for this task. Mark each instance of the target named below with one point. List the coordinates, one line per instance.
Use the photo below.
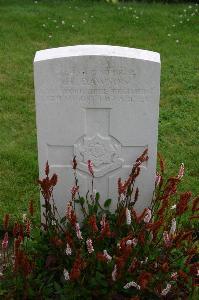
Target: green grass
(22, 34)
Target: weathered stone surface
(99, 103)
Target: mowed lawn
(26, 26)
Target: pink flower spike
(66, 275)
(166, 238)
(78, 231)
(132, 242)
(128, 217)
(132, 284)
(181, 171)
(173, 227)
(174, 276)
(107, 256)
(147, 217)
(5, 242)
(68, 210)
(90, 167)
(158, 179)
(74, 190)
(103, 222)
(89, 245)
(68, 249)
(166, 290)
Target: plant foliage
(105, 255)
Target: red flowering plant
(108, 255)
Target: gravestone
(99, 103)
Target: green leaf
(90, 208)
(82, 200)
(107, 203)
(77, 201)
(97, 196)
(95, 208)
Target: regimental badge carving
(98, 149)
(104, 152)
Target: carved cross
(110, 158)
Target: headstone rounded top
(96, 50)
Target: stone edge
(96, 50)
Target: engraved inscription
(89, 86)
(101, 77)
(103, 91)
(91, 99)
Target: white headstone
(99, 103)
